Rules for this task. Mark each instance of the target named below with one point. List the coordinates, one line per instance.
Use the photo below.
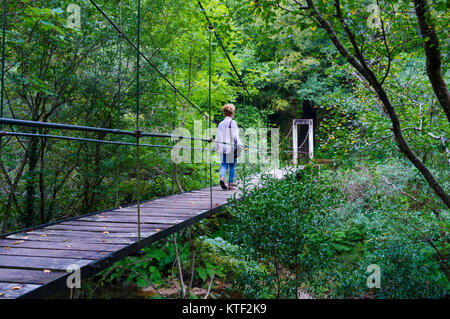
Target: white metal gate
(309, 137)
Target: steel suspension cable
(146, 58)
(219, 40)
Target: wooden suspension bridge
(34, 262)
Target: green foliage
(317, 233)
(151, 268)
(277, 222)
(366, 221)
(230, 260)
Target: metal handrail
(17, 122)
(81, 139)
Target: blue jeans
(225, 166)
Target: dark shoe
(230, 186)
(222, 184)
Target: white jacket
(227, 135)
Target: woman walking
(228, 144)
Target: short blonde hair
(228, 109)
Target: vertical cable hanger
(173, 128)
(138, 132)
(3, 69)
(245, 127)
(2, 77)
(208, 180)
(118, 106)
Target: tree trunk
(176, 179)
(13, 187)
(433, 55)
(403, 144)
(359, 63)
(42, 183)
(30, 188)
(192, 259)
(180, 272)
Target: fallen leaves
(16, 288)
(17, 242)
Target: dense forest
(373, 76)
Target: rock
(169, 292)
(166, 292)
(149, 290)
(174, 283)
(219, 285)
(199, 292)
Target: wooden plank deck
(33, 263)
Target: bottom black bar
(224, 308)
